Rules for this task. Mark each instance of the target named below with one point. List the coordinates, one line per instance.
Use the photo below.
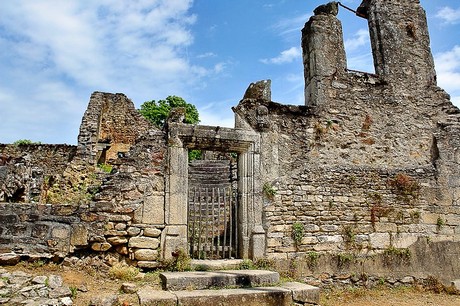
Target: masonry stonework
(364, 178)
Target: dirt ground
(88, 283)
(404, 296)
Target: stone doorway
(213, 207)
(250, 234)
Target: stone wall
(104, 195)
(24, 169)
(368, 167)
(370, 163)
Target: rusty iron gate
(212, 223)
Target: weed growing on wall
(297, 233)
(440, 222)
(105, 167)
(312, 259)
(348, 233)
(344, 259)
(392, 255)
(405, 187)
(269, 191)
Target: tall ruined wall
(370, 164)
(115, 207)
(110, 125)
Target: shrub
(123, 272)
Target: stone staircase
(228, 287)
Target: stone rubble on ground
(20, 288)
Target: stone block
(174, 238)
(217, 279)
(79, 235)
(115, 233)
(152, 232)
(379, 240)
(9, 259)
(117, 240)
(120, 226)
(133, 231)
(101, 246)
(148, 264)
(405, 240)
(40, 230)
(258, 242)
(151, 297)
(154, 210)
(309, 240)
(303, 293)
(61, 232)
(144, 243)
(268, 296)
(146, 254)
(122, 249)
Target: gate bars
(212, 223)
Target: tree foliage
(23, 142)
(158, 112)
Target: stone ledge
(217, 279)
(302, 292)
(286, 295)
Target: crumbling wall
(106, 194)
(25, 169)
(367, 169)
(370, 164)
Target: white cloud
(286, 56)
(213, 115)
(448, 69)
(448, 72)
(360, 39)
(58, 52)
(289, 27)
(449, 15)
(206, 55)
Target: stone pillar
(244, 211)
(176, 203)
(252, 233)
(323, 54)
(400, 42)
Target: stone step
(197, 280)
(216, 264)
(284, 295)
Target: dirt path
(388, 297)
(89, 284)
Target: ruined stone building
(363, 178)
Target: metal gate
(212, 223)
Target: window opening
(357, 41)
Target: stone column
(400, 43)
(252, 241)
(323, 54)
(176, 203)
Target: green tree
(158, 112)
(23, 142)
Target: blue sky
(55, 53)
